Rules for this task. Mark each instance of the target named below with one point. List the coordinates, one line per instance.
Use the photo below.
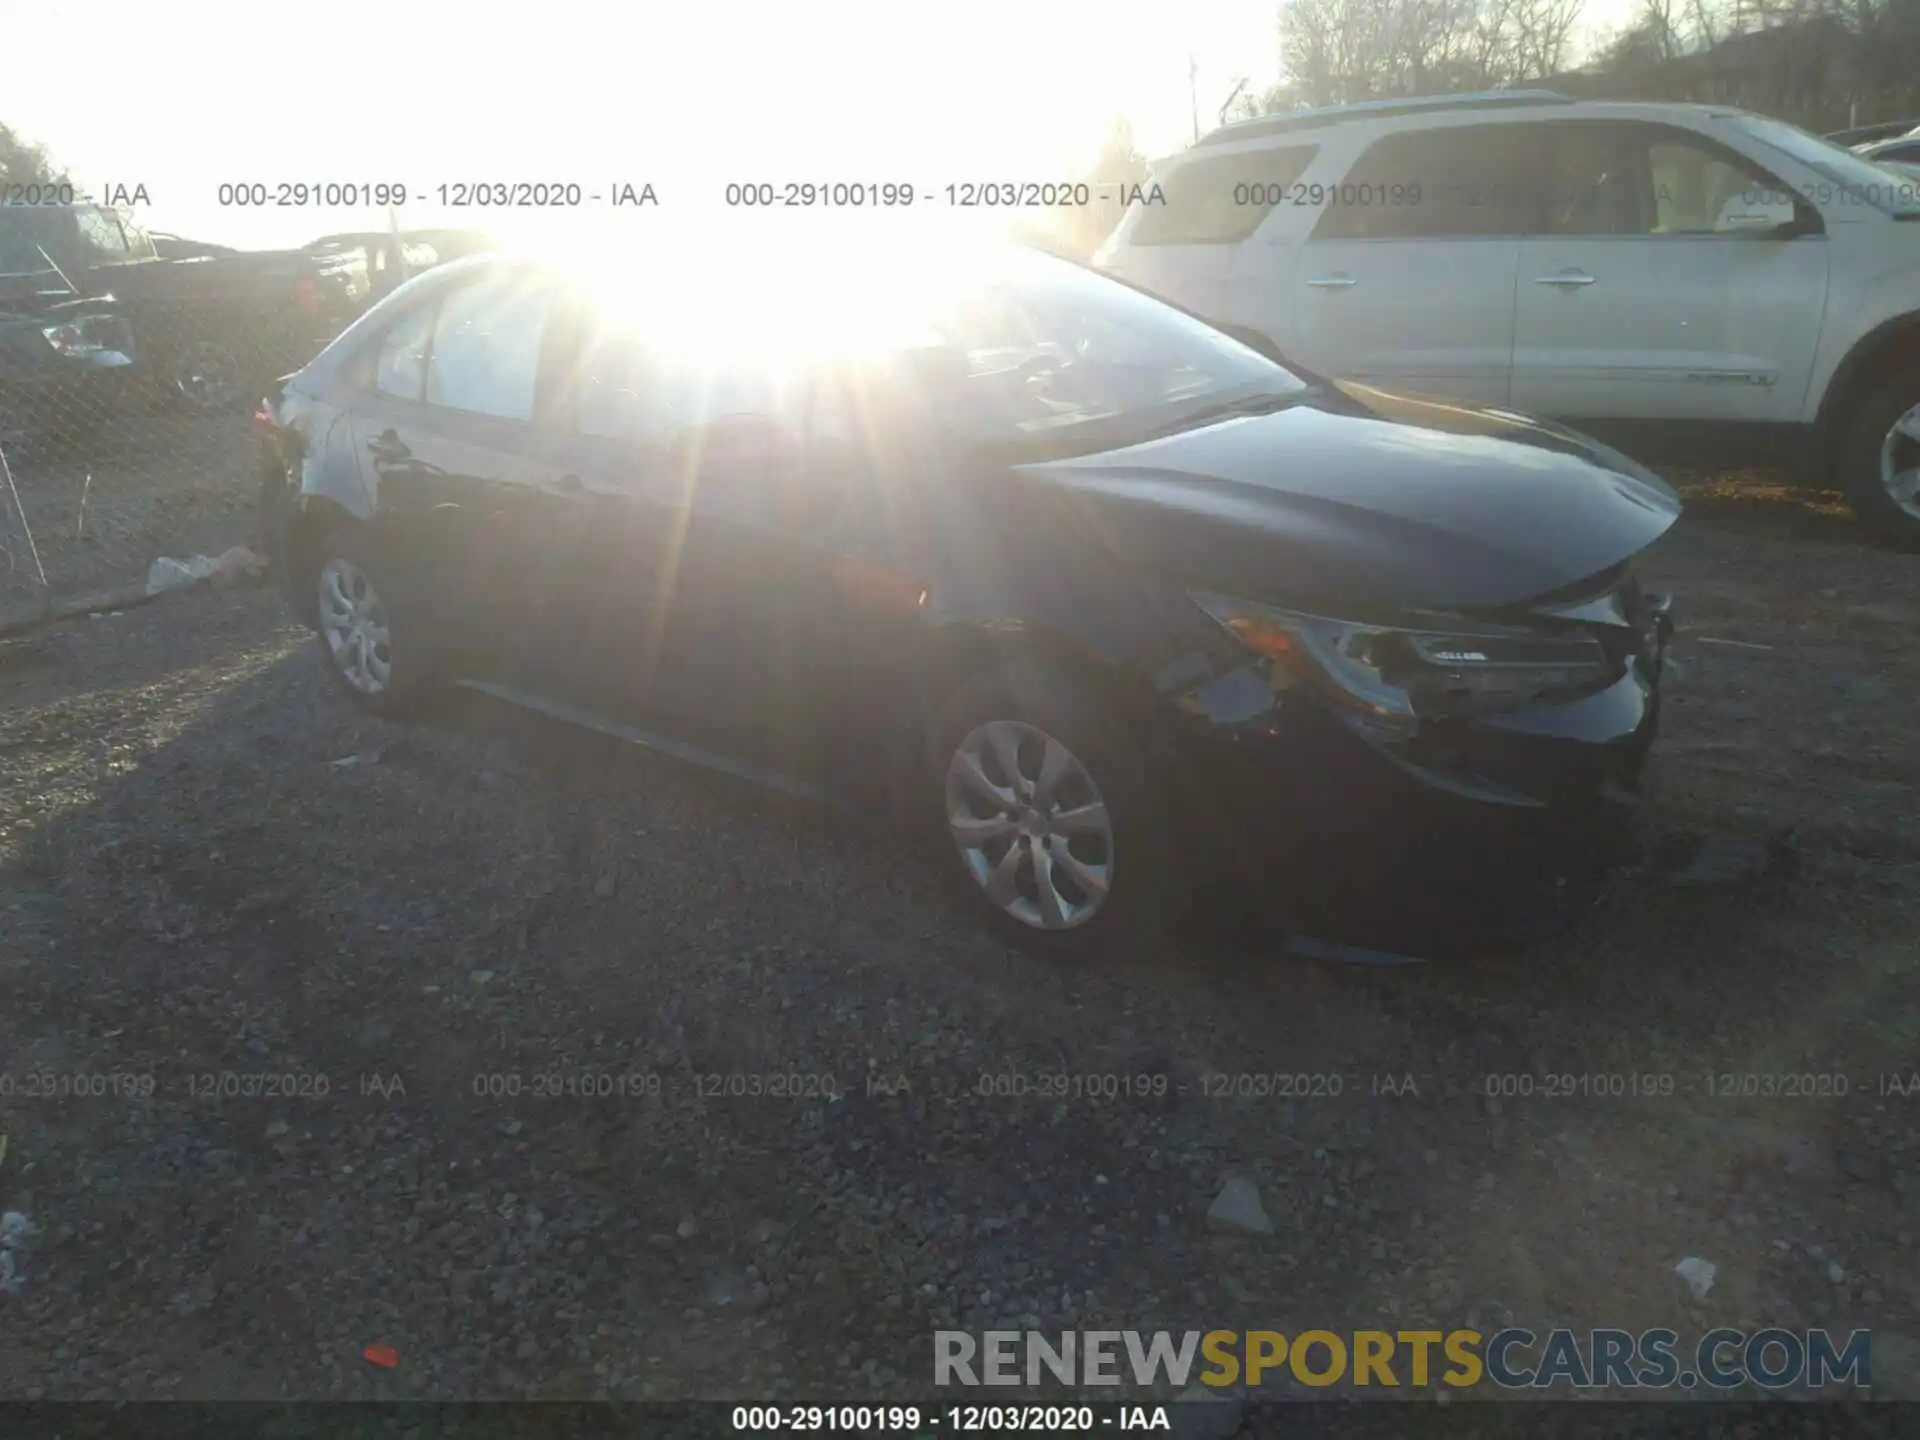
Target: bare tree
(1343, 50)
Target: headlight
(89, 335)
(1394, 676)
(71, 338)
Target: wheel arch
(963, 650)
(315, 517)
(1854, 378)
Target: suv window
(1856, 180)
(485, 357)
(1631, 178)
(1222, 200)
(1464, 181)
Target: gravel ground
(152, 483)
(214, 867)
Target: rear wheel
(373, 654)
(1879, 460)
(1057, 837)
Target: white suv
(1687, 280)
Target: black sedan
(1121, 602)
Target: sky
(184, 97)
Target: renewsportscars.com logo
(1513, 1359)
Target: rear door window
(1222, 200)
(486, 349)
(1463, 182)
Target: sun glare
(800, 293)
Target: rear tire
(1055, 833)
(369, 636)
(1878, 460)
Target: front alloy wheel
(353, 621)
(1031, 826)
(1878, 460)
(1900, 463)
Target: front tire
(373, 653)
(1879, 460)
(1055, 834)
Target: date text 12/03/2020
(959, 1419)
(750, 194)
(452, 195)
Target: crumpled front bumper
(1328, 826)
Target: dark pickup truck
(211, 329)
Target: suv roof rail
(1368, 109)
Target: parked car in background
(210, 329)
(1694, 282)
(65, 363)
(1893, 140)
(455, 243)
(1903, 150)
(390, 259)
(1114, 603)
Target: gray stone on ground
(1237, 1207)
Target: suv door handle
(1339, 280)
(1565, 277)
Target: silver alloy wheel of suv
(1900, 462)
(1030, 825)
(353, 621)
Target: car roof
(1314, 118)
(1384, 112)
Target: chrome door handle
(1339, 280)
(1565, 277)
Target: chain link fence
(125, 441)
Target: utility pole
(1193, 93)
(1239, 85)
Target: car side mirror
(1761, 212)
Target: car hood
(1372, 499)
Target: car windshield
(1887, 189)
(1041, 353)
(1000, 347)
